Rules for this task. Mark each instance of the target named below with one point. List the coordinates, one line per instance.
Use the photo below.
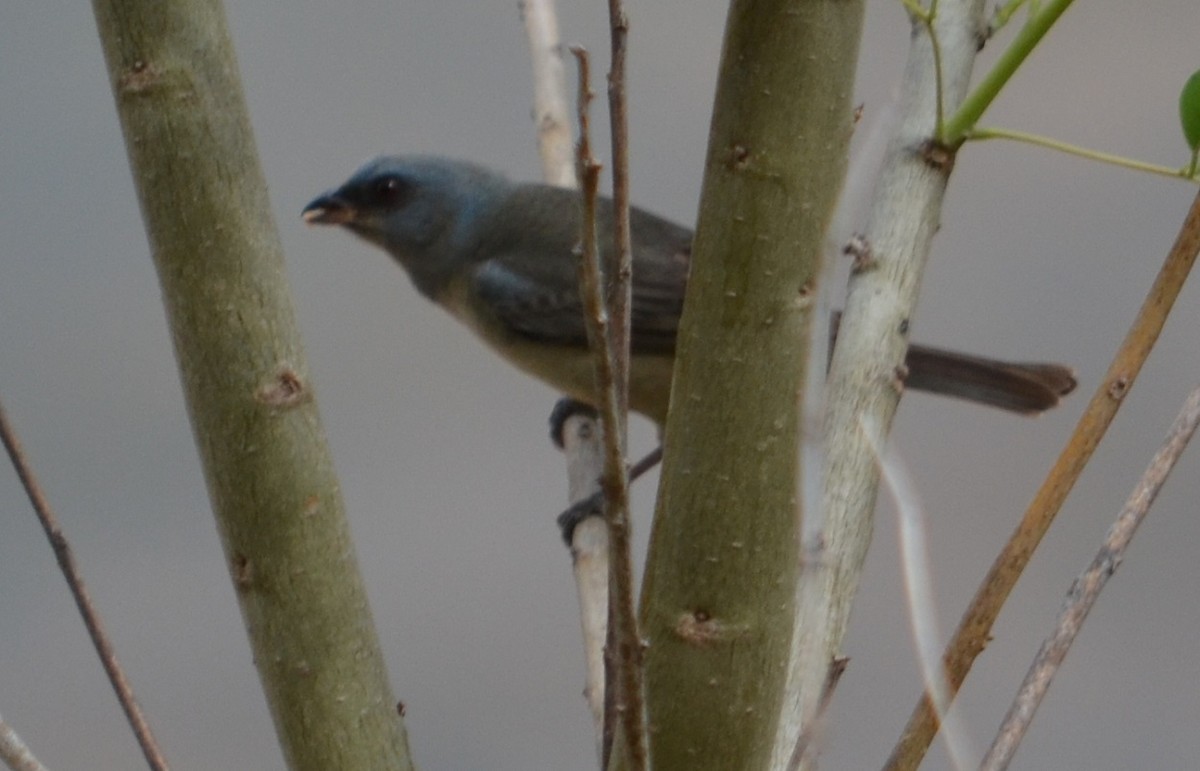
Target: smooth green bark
(721, 575)
(269, 472)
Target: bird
(499, 256)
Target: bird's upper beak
(329, 209)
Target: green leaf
(1189, 111)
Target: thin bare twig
(15, 753)
(626, 701)
(974, 630)
(623, 635)
(620, 262)
(83, 600)
(1084, 591)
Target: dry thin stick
(623, 635)
(15, 753)
(620, 263)
(625, 702)
(974, 630)
(1084, 591)
(83, 601)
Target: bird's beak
(329, 209)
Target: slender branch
(974, 630)
(15, 753)
(1082, 152)
(83, 600)
(884, 288)
(623, 620)
(625, 649)
(620, 264)
(551, 110)
(581, 444)
(1086, 589)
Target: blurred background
(451, 483)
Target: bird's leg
(592, 505)
(564, 408)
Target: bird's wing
(534, 300)
(535, 293)
(662, 253)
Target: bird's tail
(1024, 387)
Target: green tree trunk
(720, 581)
(269, 472)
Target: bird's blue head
(425, 211)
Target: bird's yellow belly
(569, 369)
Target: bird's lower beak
(329, 209)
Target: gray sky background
(451, 484)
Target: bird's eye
(391, 191)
